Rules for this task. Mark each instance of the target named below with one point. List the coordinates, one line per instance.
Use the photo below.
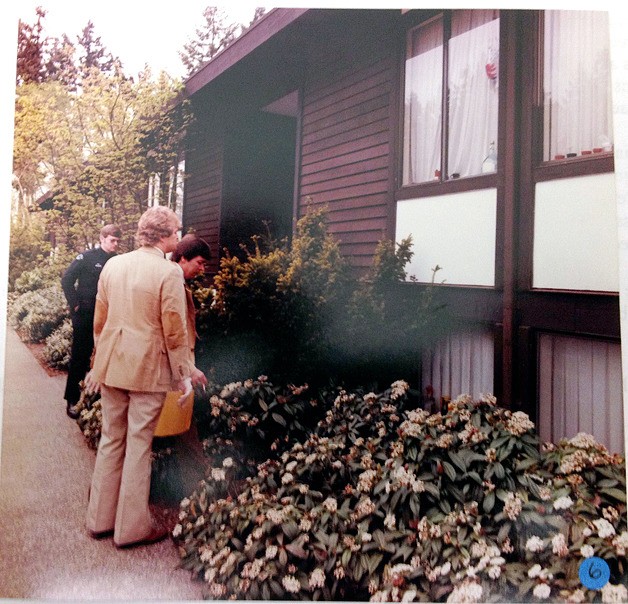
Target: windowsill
(576, 166)
(455, 185)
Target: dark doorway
(258, 180)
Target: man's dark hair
(190, 247)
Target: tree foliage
(214, 35)
(91, 137)
(30, 50)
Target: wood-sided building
(487, 135)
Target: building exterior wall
(346, 144)
(203, 191)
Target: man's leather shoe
(73, 411)
(156, 534)
(101, 534)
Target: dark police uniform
(80, 284)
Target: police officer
(80, 284)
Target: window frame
(562, 168)
(444, 186)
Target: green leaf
(617, 494)
(489, 502)
(449, 470)
(458, 461)
(279, 419)
(296, 550)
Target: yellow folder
(174, 419)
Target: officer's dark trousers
(81, 352)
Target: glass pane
(423, 103)
(473, 92)
(578, 114)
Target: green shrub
(294, 313)
(58, 346)
(35, 279)
(389, 504)
(36, 314)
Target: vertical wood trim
(528, 129)
(298, 154)
(396, 121)
(507, 194)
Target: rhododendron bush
(388, 503)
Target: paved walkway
(45, 470)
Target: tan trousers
(121, 481)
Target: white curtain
(473, 89)
(578, 112)
(423, 103)
(580, 390)
(461, 363)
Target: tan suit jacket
(191, 322)
(140, 334)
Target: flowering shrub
(36, 314)
(58, 346)
(253, 420)
(393, 504)
(90, 417)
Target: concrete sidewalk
(46, 467)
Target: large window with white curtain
(461, 363)
(580, 389)
(451, 97)
(577, 103)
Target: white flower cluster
(513, 506)
(542, 591)
(519, 423)
(398, 389)
(330, 504)
(229, 389)
(535, 544)
(614, 594)
(604, 528)
(467, 591)
(582, 440)
(401, 477)
(563, 503)
(559, 545)
(291, 584)
(344, 398)
(620, 543)
(472, 434)
(538, 572)
(366, 481)
(364, 508)
(317, 578)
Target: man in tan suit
(141, 352)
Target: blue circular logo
(594, 573)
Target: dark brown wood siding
(346, 148)
(203, 193)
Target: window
(577, 109)
(457, 129)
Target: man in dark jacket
(80, 284)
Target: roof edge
(261, 31)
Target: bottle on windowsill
(490, 161)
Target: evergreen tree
(60, 64)
(30, 50)
(260, 11)
(94, 54)
(216, 33)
